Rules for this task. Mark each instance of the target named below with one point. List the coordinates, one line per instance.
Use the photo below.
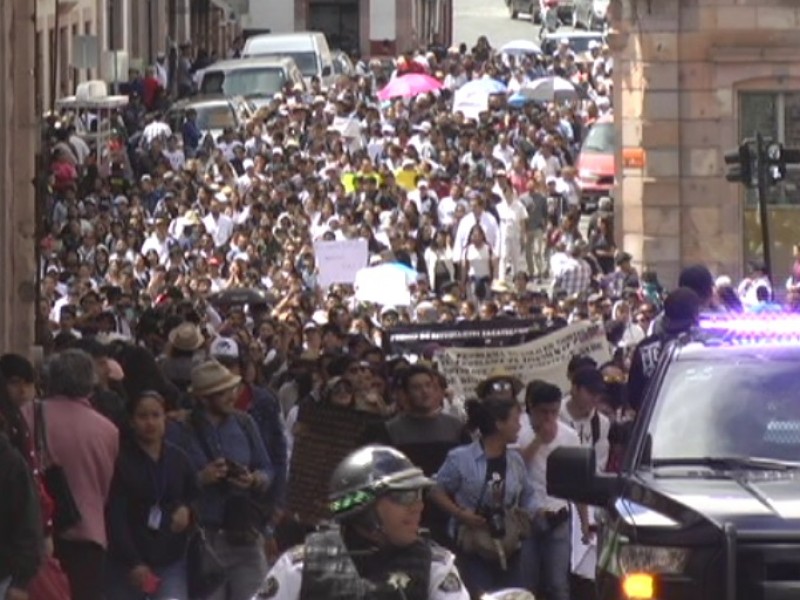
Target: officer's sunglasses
(501, 386)
(406, 497)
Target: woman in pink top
(85, 444)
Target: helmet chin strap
(369, 526)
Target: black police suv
(707, 503)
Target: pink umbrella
(408, 86)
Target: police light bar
(777, 325)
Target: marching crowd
(200, 385)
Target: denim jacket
(464, 471)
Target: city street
(491, 18)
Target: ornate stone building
(692, 78)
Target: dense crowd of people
(200, 383)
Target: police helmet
(368, 473)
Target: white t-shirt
(512, 221)
(583, 427)
(537, 467)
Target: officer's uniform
(344, 563)
(285, 580)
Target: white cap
(223, 347)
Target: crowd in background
(198, 373)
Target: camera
(496, 519)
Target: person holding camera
(484, 487)
(234, 473)
(546, 553)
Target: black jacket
(20, 519)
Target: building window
(775, 115)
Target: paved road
(473, 18)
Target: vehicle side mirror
(326, 70)
(572, 475)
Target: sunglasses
(501, 386)
(406, 497)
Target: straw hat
(501, 286)
(497, 376)
(210, 377)
(186, 337)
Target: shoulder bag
(66, 514)
(479, 540)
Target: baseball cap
(223, 348)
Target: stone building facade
(692, 78)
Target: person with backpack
(235, 475)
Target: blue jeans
(172, 587)
(481, 576)
(545, 560)
(4, 586)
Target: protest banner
(543, 358)
(419, 339)
(339, 261)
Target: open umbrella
(408, 86)
(547, 89)
(472, 98)
(521, 47)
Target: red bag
(50, 583)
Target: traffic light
(776, 163)
(739, 165)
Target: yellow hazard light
(638, 586)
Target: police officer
(374, 550)
(681, 313)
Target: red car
(596, 163)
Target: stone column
(646, 46)
(18, 141)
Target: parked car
(535, 8)
(309, 49)
(596, 163)
(590, 14)
(578, 40)
(257, 79)
(214, 113)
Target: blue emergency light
(769, 328)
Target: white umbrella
(521, 47)
(472, 98)
(549, 89)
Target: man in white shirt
(580, 412)
(218, 225)
(545, 161)
(447, 205)
(160, 240)
(547, 551)
(513, 218)
(503, 151)
(478, 215)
